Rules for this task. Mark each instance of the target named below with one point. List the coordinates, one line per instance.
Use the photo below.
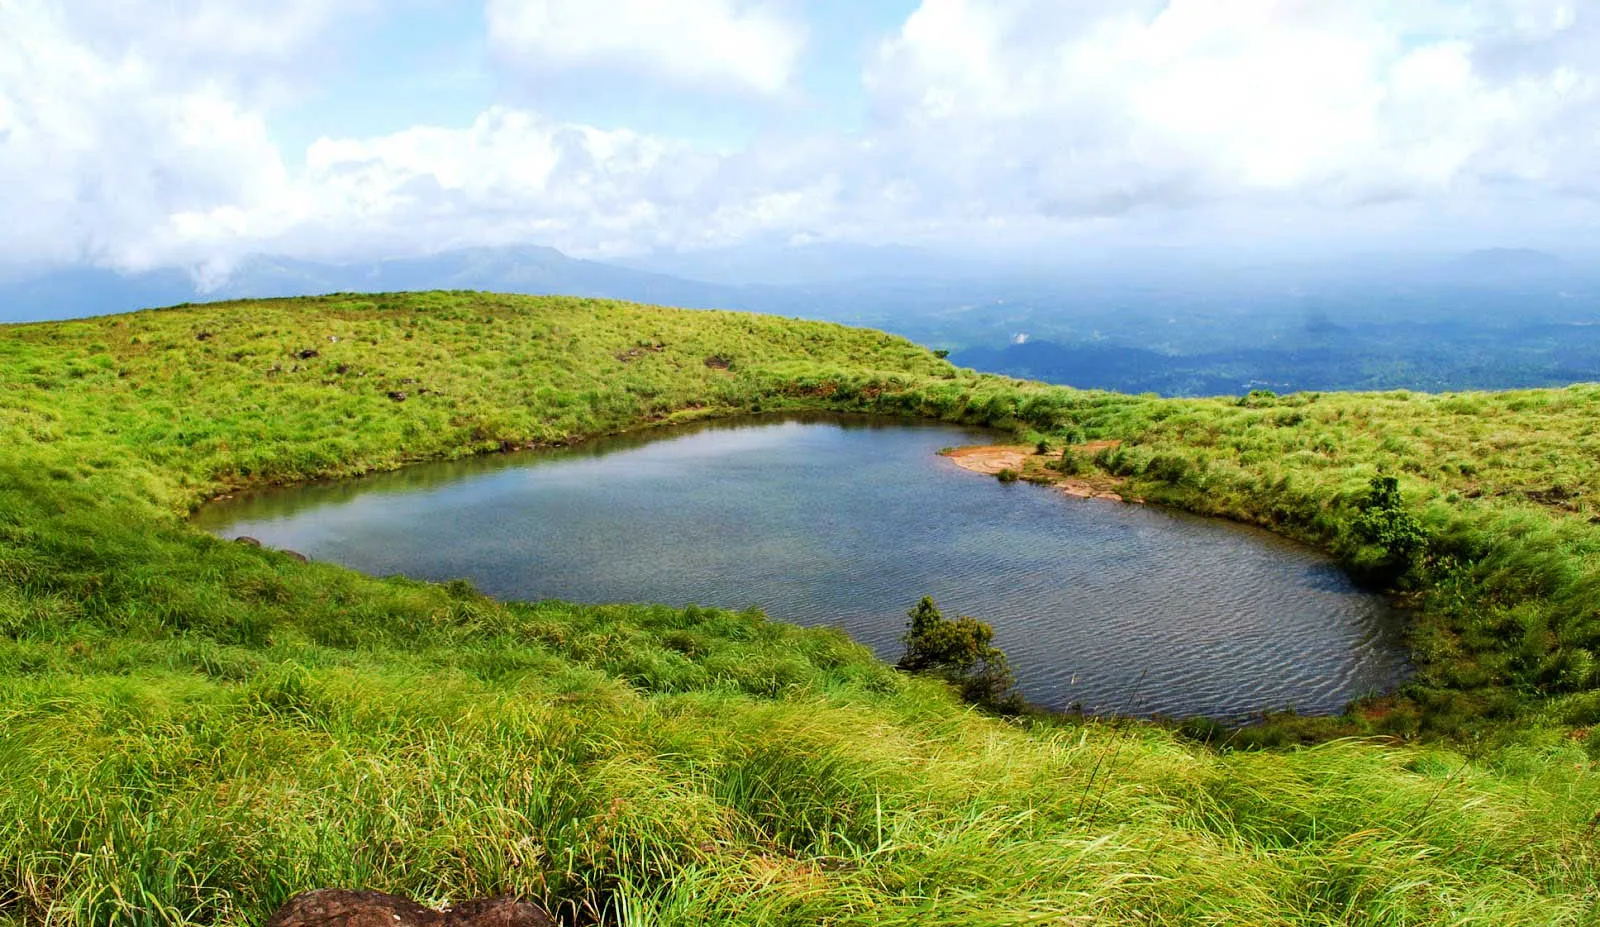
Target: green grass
(192, 730)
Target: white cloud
(1100, 109)
(514, 176)
(98, 145)
(231, 32)
(142, 152)
(511, 176)
(700, 44)
(140, 133)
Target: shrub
(1383, 522)
(1072, 462)
(1168, 468)
(961, 652)
(1008, 475)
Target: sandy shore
(993, 458)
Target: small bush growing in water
(963, 653)
(1008, 475)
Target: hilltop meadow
(192, 730)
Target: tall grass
(192, 730)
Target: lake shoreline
(1028, 464)
(777, 529)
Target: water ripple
(847, 523)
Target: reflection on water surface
(847, 522)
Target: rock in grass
(248, 541)
(333, 907)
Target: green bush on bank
(962, 652)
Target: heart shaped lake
(848, 521)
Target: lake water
(847, 522)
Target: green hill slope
(191, 730)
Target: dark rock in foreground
(332, 907)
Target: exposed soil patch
(338, 908)
(991, 458)
(638, 351)
(1557, 497)
(822, 390)
(1020, 459)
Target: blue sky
(422, 64)
(147, 133)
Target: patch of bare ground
(990, 459)
(1023, 460)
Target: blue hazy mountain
(1503, 265)
(1172, 322)
(816, 264)
(79, 292)
(521, 269)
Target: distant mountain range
(817, 264)
(864, 284)
(781, 279)
(1172, 323)
(90, 291)
(1428, 356)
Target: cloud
(511, 176)
(515, 176)
(140, 133)
(206, 32)
(1098, 109)
(136, 148)
(715, 45)
(99, 141)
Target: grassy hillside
(191, 730)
